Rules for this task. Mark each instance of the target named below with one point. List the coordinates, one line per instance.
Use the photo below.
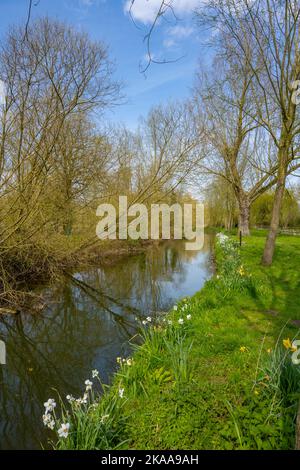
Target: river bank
(215, 373)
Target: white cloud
(175, 34)
(169, 43)
(180, 32)
(90, 3)
(145, 11)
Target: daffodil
(88, 385)
(84, 399)
(243, 349)
(64, 430)
(104, 418)
(189, 317)
(48, 421)
(287, 343)
(241, 271)
(70, 398)
(49, 405)
(181, 321)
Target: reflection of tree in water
(139, 280)
(86, 326)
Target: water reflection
(90, 318)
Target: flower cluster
(48, 421)
(222, 239)
(49, 418)
(182, 311)
(128, 362)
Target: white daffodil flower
(70, 398)
(49, 405)
(64, 430)
(48, 421)
(88, 385)
(104, 418)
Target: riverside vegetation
(215, 373)
(58, 162)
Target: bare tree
(54, 74)
(272, 27)
(164, 9)
(240, 150)
(79, 169)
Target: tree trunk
(269, 250)
(68, 226)
(244, 214)
(68, 219)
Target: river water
(88, 323)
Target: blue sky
(107, 20)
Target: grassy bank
(213, 374)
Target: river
(87, 324)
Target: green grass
(191, 386)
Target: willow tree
(272, 29)
(222, 98)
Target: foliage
(262, 209)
